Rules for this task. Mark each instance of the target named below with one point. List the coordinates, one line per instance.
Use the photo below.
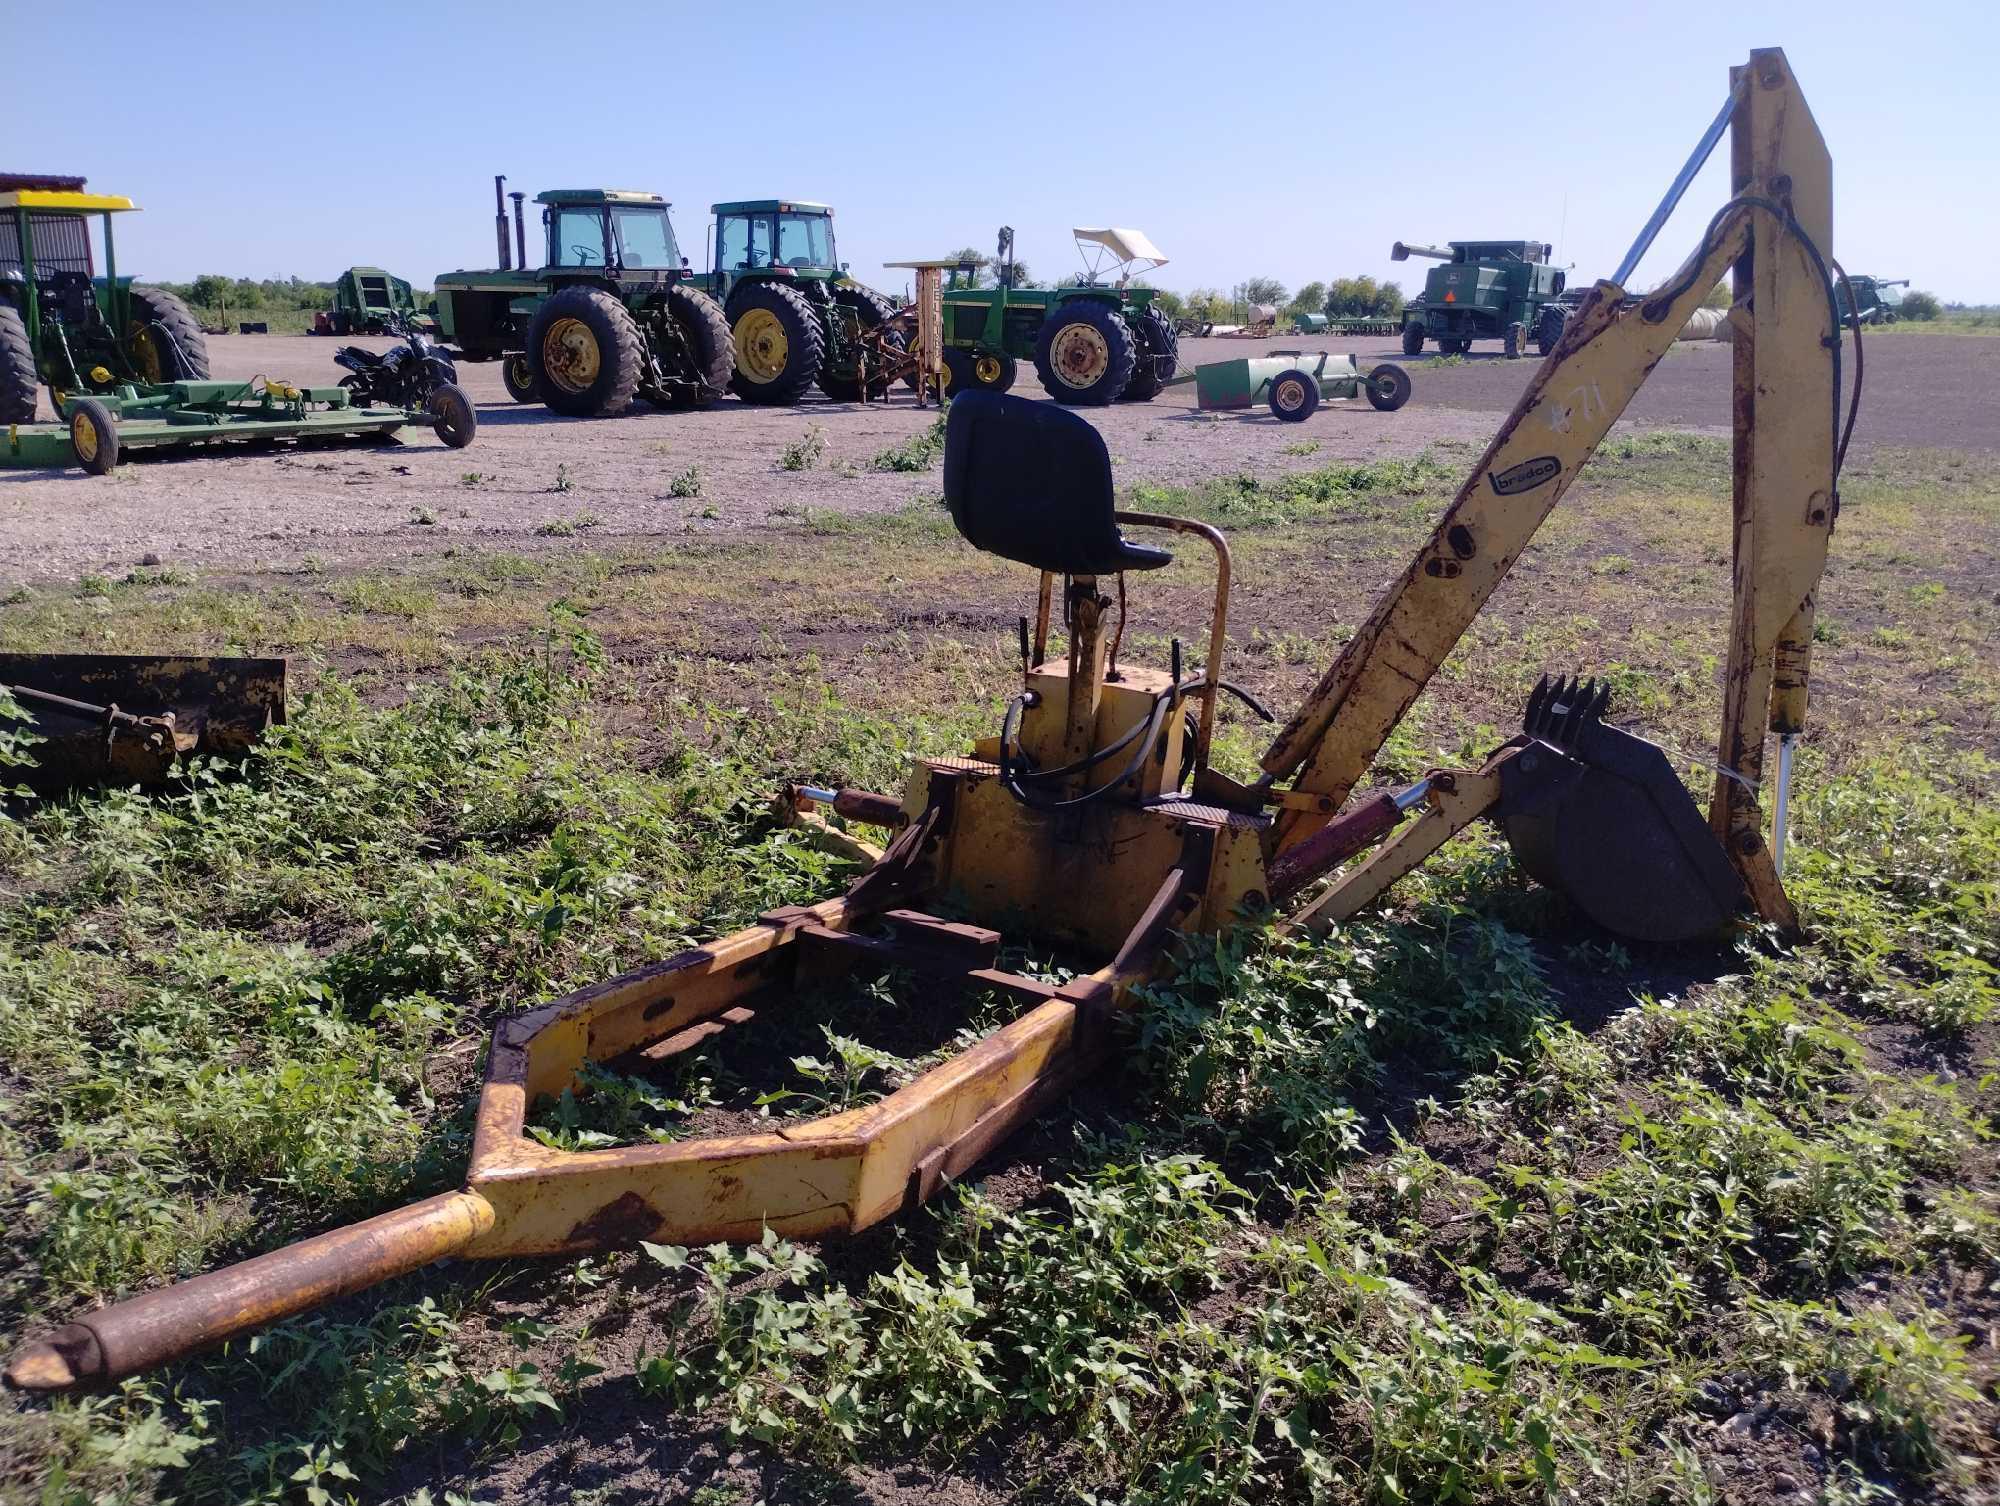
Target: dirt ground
(532, 479)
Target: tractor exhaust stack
(500, 219)
(520, 232)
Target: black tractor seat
(1031, 482)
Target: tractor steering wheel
(585, 255)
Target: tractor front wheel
(1454, 347)
(164, 341)
(780, 346)
(1085, 355)
(706, 329)
(1413, 339)
(982, 371)
(585, 350)
(518, 377)
(93, 437)
(19, 384)
(1512, 341)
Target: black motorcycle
(416, 374)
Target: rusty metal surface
(192, 1315)
(167, 706)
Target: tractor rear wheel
(1085, 354)
(164, 339)
(518, 377)
(779, 344)
(585, 350)
(19, 384)
(839, 378)
(1413, 339)
(1159, 355)
(706, 328)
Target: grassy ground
(1432, 1210)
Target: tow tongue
(1600, 815)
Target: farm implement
(126, 365)
(1293, 384)
(1094, 823)
(129, 718)
(96, 432)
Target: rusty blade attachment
(126, 718)
(1599, 815)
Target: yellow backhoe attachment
(1092, 821)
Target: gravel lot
(358, 504)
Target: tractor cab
(774, 237)
(610, 229)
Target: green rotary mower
(126, 365)
(612, 315)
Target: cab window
(579, 238)
(745, 242)
(645, 239)
(805, 240)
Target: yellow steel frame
(1117, 876)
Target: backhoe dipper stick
(1571, 403)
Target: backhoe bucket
(1600, 816)
(126, 718)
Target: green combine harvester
(613, 313)
(126, 365)
(368, 301)
(1486, 290)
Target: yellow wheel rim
(1080, 355)
(519, 372)
(1291, 395)
(762, 351)
(83, 434)
(145, 354)
(987, 370)
(570, 355)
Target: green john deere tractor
(1092, 343)
(63, 326)
(794, 314)
(1486, 290)
(612, 314)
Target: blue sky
(1291, 141)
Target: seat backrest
(1031, 482)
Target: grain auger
(1094, 822)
